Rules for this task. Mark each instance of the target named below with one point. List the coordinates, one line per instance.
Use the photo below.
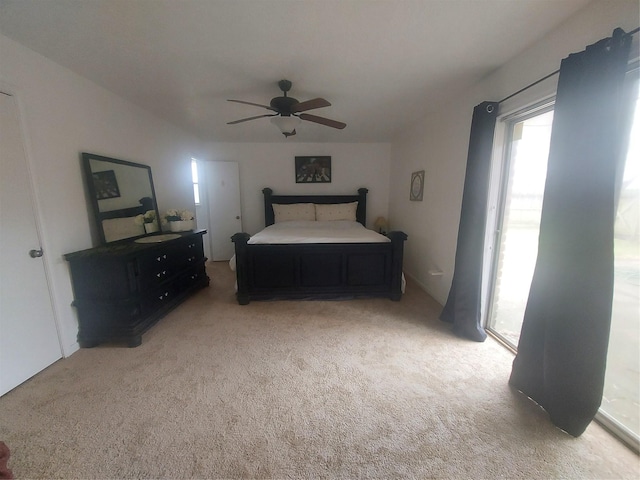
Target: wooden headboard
(270, 199)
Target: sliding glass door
(521, 188)
(621, 400)
(523, 176)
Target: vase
(181, 225)
(151, 227)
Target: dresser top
(127, 247)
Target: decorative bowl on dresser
(122, 289)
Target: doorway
(222, 184)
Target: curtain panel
(463, 307)
(562, 349)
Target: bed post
(397, 243)
(240, 240)
(361, 212)
(269, 216)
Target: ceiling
(383, 64)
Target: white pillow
(295, 211)
(336, 211)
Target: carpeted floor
(328, 389)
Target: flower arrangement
(179, 220)
(175, 215)
(148, 217)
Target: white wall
(272, 165)
(439, 143)
(64, 115)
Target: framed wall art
(417, 186)
(313, 169)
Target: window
(194, 179)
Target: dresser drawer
(193, 251)
(162, 266)
(195, 276)
(159, 299)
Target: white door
(223, 197)
(28, 335)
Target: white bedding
(121, 228)
(336, 231)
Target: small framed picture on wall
(313, 169)
(417, 186)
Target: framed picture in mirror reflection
(106, 184)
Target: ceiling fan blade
(252, 118)
(310, 105)
(324, 121)
(254, 104)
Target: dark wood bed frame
(318, 270)
(122, 212)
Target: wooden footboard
(319, 270)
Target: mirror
(122, 197)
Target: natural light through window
(621, 398)
(517, 237)
(194, 179)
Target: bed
(323, 266)
(121, 224)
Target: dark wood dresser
(121, 290)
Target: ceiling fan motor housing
(285, 86)
(283, 104)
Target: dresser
(122, 289)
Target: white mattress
(337, 231)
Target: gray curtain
(463, 304)
(562, 350)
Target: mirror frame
(93, 197)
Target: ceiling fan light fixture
(286, 124)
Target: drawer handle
(160, 274)
(165, 295)
(162, 257)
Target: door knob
(237, 217)
(36, 253)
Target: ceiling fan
(288, 111)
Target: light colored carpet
(328, 389)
